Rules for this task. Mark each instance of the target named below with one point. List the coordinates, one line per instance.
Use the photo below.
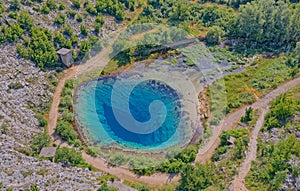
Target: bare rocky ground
(17, 170)
(24, 91)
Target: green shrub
(42, 121)
(66, 155)
(270, 170)
(40, 141)
(104, 187)
(83, 30)
(77, 143)
(90, 151)
(281, 108)
(15, 5)
(71, 14)
(15, 86)
(236, 133)
(79, 18)
(60, 19)
(118, 159)
(66, 102)
(76, 4)
(220, 151)
(69, 84)
(13, 32)
(61, 6)
(248, 116)
(67, 116)
(51, 4)
(66, 132)
(214, 35)
(25, 20)
(4, 128)
(45, 10)
(100, 19)
(91, 10)
(196, 178)
(68, 30)
(40, 48)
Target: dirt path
(125, 174)
(238, 183)
(53, 113)
(205, 153)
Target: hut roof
(48, 152)
(63, 51)
(230, 141)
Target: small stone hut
(230, 141)
(65, 56)
(48, 152)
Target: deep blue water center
(100, 121)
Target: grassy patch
(246, 87)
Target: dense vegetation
(175, 162)
(40, 44)
(217, 175)
(270, 172)
(267, 24)
(254, 25)
(233, 3)
(64, 126)
(281, 109)
(70, 157)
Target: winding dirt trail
(238, 182)
(205, 153)
(53, 113)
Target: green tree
(1, 7)
(248, 115)
(84, 48)
(65, 130)
(51, 4)
(67, 116)
(214, 35)
(294, 25)
(196, 178)
(43, 52)
(25, 20)
(40, 141)
(76, 4)
(13, 32)
(83, 30)
(15, 5)
(66, 155)
(4, 129)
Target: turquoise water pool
(99, 103)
